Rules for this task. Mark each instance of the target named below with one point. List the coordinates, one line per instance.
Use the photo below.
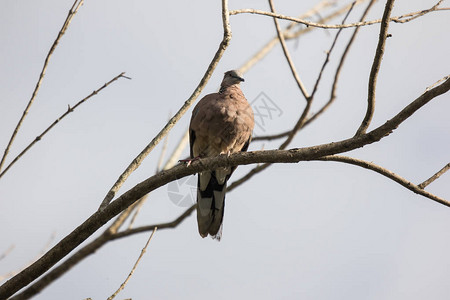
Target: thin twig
(258, 56)
(163, 153)
(110, 233)
(246, 177)
(122, 286)
(137, 210)
(173, 159)
(272, 136)
(339, 68)
(90, 249)
(68, 111)
(327, 58)
(434, 177)
(380, 170)
(288, 55)
(160, 226)
(146, 151)
(303, 117)
(302, 123)
(398, 19)
(73, 10)
(437, 83)
(6, 252)
(376, 68)
(412, 16)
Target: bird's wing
(221, 124)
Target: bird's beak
(241, 79)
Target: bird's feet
(189, 161)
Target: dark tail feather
(210, 206)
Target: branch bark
(376, 68)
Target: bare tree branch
(412, 16)
(111, 233)
(288, 34)
(138, 160)
(334, 86)
(271, 136)
(73, 10)
(328, 54)
(177, 151)
(399, 19)
(434, 177)
(339, 68)
(69, 110)
(385, 172)
(167, 225)
(303, 117)
(376, 68)
(122, 286)
(163, 153)
(99, 218)
(288, 56)
(91, 248)
(6, 252)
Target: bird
(221, 124)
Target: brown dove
(221, 123)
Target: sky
(312, 230)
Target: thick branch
(99, 218)
(376, 68)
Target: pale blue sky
(313, 230)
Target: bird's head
(232, 77)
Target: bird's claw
(189, 161)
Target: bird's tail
(210, 204)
